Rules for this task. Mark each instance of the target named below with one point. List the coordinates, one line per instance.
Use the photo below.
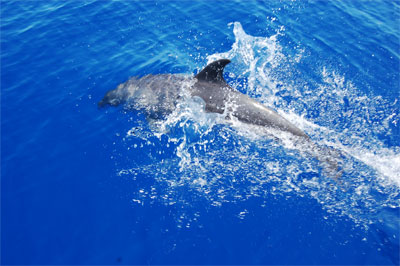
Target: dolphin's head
(114, 97)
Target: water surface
(87, 186)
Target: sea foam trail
(262, 65)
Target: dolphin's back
(253, 112)
(219, 96)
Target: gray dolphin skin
(158, 95)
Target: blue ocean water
(82, 185)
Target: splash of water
(204, 158)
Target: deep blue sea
(82, 185)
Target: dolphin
(158, 95)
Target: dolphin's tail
(330, 159)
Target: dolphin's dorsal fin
(213, 72)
